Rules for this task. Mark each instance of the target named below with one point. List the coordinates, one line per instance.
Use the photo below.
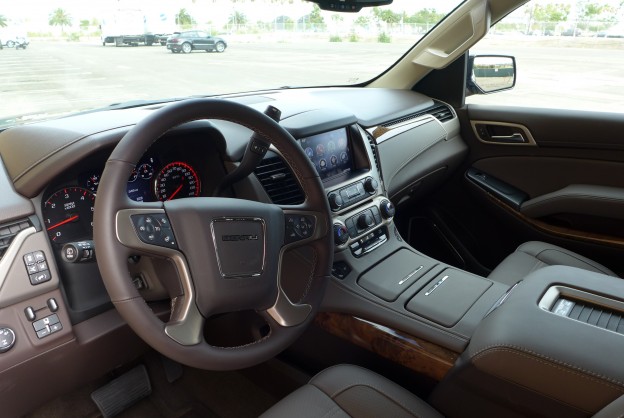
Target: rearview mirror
(490, 73)
(349, 5)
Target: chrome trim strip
(409, 276)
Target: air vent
(279, 182)
(439, 110)
(8, 231)
(373, 146)
(589, 313)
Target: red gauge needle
(66, 221)
(176, 192)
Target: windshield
(66, 56)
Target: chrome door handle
(515, 137)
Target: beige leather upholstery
(350, 391)
(534, 255)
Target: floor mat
(197, 394)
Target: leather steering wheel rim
(115, 242)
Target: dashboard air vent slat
(279, 182)
(439, 110)
(9, 230)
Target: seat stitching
(596, 377)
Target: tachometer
(177, 180)
(68, 214)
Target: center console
(547, 346)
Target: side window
(569, 55)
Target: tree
(424, 16)
(84, 24)
(548, 15)
(237, 19)
(362, 21)
(184, 19)
(3, 21)
(315, 16)
(387, 16)
(60, 17)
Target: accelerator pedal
(123, 392)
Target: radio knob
(370, 185)
(335, 201)
(341, 234)
(365, 221)
(387, 209)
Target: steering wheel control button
(299, 227)
(7, 339)
(48, 325)
(77, 252)
(154, 229)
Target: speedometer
(68, 214)
(177, 180)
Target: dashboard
(50, 179)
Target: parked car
(195, 40)
(17, 42)
(200, 237)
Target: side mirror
(490, 73)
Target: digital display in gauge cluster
(140, 181)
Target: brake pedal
(123, 392)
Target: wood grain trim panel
(414, 353)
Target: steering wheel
(227, 252)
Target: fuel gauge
(93, 182)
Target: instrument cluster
(68, 210)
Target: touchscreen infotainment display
(330, 152)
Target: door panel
(573, 178)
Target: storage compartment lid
(395, 274)
(447, 298)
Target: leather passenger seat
(345, 391)
(534, 255)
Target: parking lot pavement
(69, 77)
(75, 76)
